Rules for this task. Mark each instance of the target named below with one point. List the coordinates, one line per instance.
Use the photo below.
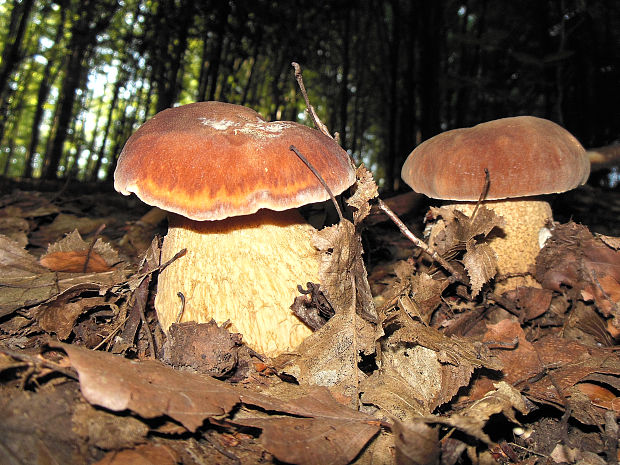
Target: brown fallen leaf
(75, 261)
(15, 228)
(472, 420)
(37, 428)
(416, 443)
(152, 389)
(60, 315)
(205, 347)
(146, 454)
(24, 282)
(63, 224)
(342, 272)
(334, 435)
(365, 190)
(573, 257)
(75, 255)
(105, 430)
(454, 231)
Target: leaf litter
(424, 369)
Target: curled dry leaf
(573, 257)
(434, 366)
(505, 399)
(207, 348)
(455, 231)
(480, 261)
(344, 280)
(416, 443)
(60, 315)
(365, 190)
(74, 255)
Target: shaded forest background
(77, 77)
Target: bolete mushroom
(232, 187)
(526, 157)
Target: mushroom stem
(244, 270)
(517, 244)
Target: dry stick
(92, 245)
(310, 108)
(483, 194)
(319, 177)
(421, 244)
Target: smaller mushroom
(232, 187)
(526, 157)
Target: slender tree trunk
(44, 89)
(11, 55)
(95, 17)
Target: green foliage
(384, 75)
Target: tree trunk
(11, 55)
(84, 32)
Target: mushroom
(526, 157)
(232, 186)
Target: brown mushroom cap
(213, 160)
(525, 156)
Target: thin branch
(421, 244)
(309, 108)
(319, 177)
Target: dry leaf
(480, 261)
(25, 282)
(455, 231)
(63, 224)
(107, 431)
(205, 347)
(152, 389)
(505, 399)
(60, 315)
(391, 393)
(330, 356)
(334, 435)
(146, 454)
(365, 190)
(573, 257)
(416, 443)
(341, 270)
(76, 261)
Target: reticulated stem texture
(517, 245)
(244, 270)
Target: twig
(37, 361)
(319, 177)
(315, 119)
(91, 247)
(483, 194)
(421, 244)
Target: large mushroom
(232, 187)
(526, 157)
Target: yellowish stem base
(244, 270)
(519, 245)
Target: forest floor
(440, 373)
